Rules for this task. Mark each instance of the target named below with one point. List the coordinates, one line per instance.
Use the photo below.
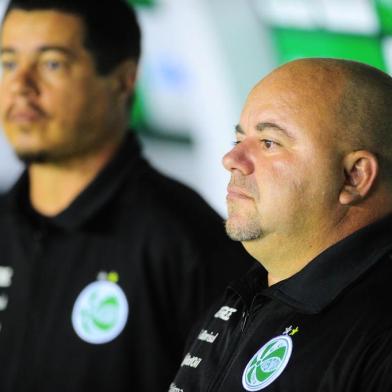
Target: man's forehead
(29, 29)
(315, 74)
(301, 109)
(298, 87)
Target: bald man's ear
(360, 169)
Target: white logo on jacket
(190, 361)
(6, 274)
(224, 313)
(208, 337)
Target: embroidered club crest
(267, 364)
(100, 312)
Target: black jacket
(101, 297)
(326, 329)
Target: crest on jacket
(100, 312)
(267, 364)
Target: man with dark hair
(310, 197)
(111, 31)
(105, 262)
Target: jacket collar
(321, 281)
(99, 192)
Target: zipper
(230, 356)
(244, 320)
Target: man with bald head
(310, 198)
(105, 262)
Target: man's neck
(284, 261)
(53, 187)
(284, 256)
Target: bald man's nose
(238, 158)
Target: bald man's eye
(269, 144)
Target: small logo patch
(208, 337)
(224, 313)
(190, 361)
(267, 364)
(100, 312)
(174, 388)
(6, 274)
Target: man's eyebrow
(266, 125)
(270, 125)
(42, 49)
(7, 50)
(62, 49)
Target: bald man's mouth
(235, 192)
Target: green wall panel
(293, 44)
(142, 2)
(384, 11)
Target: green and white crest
(267, 364)
(100, 312)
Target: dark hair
(112, 30)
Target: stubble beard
(243, 224)
(29, 158)
(244, 228)
(55, 156)
(32, 156)
(61, 154)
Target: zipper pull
(244, 320)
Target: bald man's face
(286, 168)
